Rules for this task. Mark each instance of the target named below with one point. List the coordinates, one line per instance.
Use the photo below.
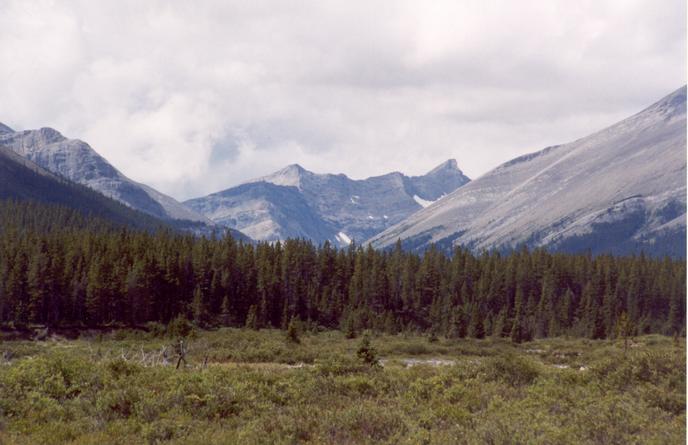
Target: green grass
(259, 388)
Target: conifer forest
(60, 268)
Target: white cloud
(192, 97)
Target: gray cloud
(192, 98)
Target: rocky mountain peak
(673, 104)
(289, 176)
(5, 129)
(450, 165)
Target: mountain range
(22, 180)
(77, 161)
(620, 190)
(296, 203)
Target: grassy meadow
(252, 387)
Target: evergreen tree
(475, 327)
(624, 329)
(293, 331)
(225, 312)
(500, 327)
(252, 318)
(39, 283)
(366, 352)
(198, 307)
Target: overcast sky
(193, 97)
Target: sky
(195, 97)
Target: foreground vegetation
(246, 386)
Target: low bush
(512, 369)
(85, 392)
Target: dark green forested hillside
(22, 180)
(59, 267)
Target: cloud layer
(194, 98)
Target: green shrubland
(247, 386)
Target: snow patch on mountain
(343, 238)
(421, 201)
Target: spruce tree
(252, 318)
(624, 329)
(293, 331)
(499, 327)
(198, 307)
(476, 328)
(225, 312)
(367, 353)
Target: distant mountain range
(77, 161)
(44, 166)
(21, 180)
(620, 190)
(297, 203)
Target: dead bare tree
(164, 359)
(181, 351)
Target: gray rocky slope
(620, 190)
(77, 161)
(21, 180)
(297, 203)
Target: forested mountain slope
(22, 180)
(78, 162)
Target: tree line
(59, 267)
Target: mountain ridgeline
(621, 190)
(23, 181)
(297, 203)
(77, 161)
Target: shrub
(121, 368)
(179, 327)
(162, 431)
(367, 423)
(339, 366)
(155, 329)
(414, 348)
(117, 403)
(358, 385)
(512, 369)
(128, 334)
